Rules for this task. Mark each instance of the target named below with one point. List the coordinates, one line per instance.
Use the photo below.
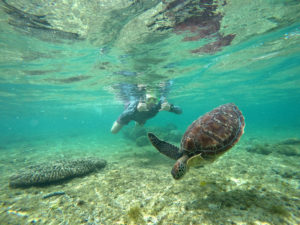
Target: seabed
(136, 187)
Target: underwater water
(61, 66)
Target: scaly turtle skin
(205, 139)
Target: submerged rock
(264, 149)
(48, 173)
(290, 141)
(288, 147)
(138, 134)
(134, 133)
(287, 150)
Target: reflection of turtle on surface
(206, 138)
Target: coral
(47, 173)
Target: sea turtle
(205, 139)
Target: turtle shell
(214, 133)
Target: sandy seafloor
(136, 187)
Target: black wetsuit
(131, 113)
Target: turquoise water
(59, 62)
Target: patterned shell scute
(214, 132)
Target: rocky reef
(241, 188)
(288, 147)
(138, 134)
(48, 173)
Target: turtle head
(180, 168)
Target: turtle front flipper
(195, 160)
(165, 148)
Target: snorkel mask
(150, 100)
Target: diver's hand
(142, 106)
(165, 106)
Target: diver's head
(151, 100)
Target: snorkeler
(142, 110)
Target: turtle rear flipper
(165, 148)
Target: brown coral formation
(45, 174)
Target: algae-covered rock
(290, 141)
(288, 147)
(167, 132)
(287, 150)
(264, 149)
(51, 172)
(138, 134)
(134, 133)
